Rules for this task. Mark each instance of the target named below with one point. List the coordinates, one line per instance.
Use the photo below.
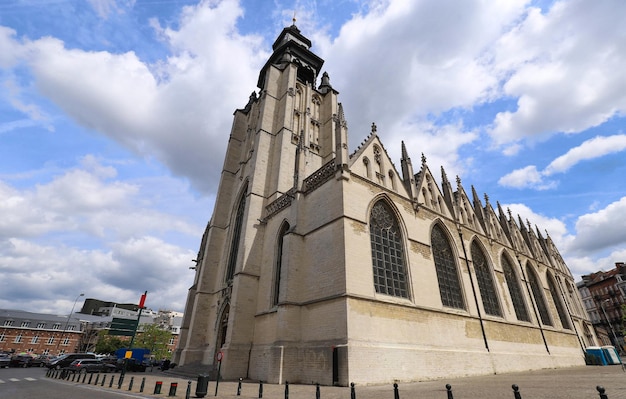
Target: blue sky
(114, 117)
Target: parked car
(65, 360)
(90, 366)
(4, 360)
(131, 365)
(21, 361)
(41, 360)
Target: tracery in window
(537, 289)
(447, 271)
(234, 243)
(515, 290)
(279, 262)
(560, 309)
(388, 261)
(484, 278)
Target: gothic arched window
(390, 275)
(447, 272)
(514, 290)
(560, 309)
(234, 243)
(279, 262)
(485, 281)
(537, 289)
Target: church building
(326, 265)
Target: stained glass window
(234, 244)
(279, 262)
(537, 289)
(485, 281)
(559, 304)
(514, 290)
(390, 275)
(447, 272)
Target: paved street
(572, 383)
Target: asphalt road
(29, 383)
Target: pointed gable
(372, 162)
(492, 223)
(429, 194)
(466, 211)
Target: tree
(109, 343)
(154, 338)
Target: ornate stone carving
(281, 202)
(319, 177)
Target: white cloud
(594, 148)
(528, 176)
(600, 230)
(177, 110)
(434, 54)
(105, 7)
(88, 230)
(46, 273)
(561, 66)
(590, 149)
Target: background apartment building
(603, 294)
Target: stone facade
(323, 266)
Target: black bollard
(111, 382)
(120, 381)
(516, 393)
(260, 389)
(104, 377)
(90, 378)
(188, 393)
(449, 389)
(84, 378)
(73, 376)
(143, 384)
(286, 389)
(173, 387)
(396, 394)
(352, 391)
(601, 391)
(97, 379)
(130, 385)
(317, 390)
(157, 387)
(239, 387)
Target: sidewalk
(570, 383)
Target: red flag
(142, 301)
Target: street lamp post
(615, 342)
(68, 320)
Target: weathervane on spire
(294, 17)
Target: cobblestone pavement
(569, 383)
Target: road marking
(1, 381)
(14, 379)
(30, 379)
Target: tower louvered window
(514, 290)
(485, 281)
(390, 276)
(447, 272)
(234, 244)
(537, 289)
(559, 304)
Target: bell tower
(288, 130)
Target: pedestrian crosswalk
(18, 380)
